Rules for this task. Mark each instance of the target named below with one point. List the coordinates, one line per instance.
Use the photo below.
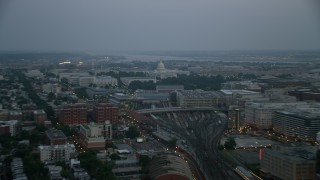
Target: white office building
(105, 80)
(261, 114)
(85, 81)
(56, 153)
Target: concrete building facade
(289, 163)
(56, 153)
(94, 136)
(190, 98)
(105, 80)
(300, 123)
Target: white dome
(161, 66)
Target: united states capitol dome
(161, 66)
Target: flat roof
(242, 92)
(122, 147)
(245, 141)
(55, 134)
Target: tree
(97, 169)
(114, 156)
(81, 93)
(173, 142)
(318, 161)
(142, 85)
(66, 174)
(132, 132)
(51, 96)
(230, 143)
(144, 161)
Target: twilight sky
(107, 25)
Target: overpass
(179, 109)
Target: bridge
(179, 109)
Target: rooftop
(242, 92)
(199, 93)
(55, 134)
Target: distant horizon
(144, 25)
(157, 51)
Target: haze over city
(167, 89)
(101, 26)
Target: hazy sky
(106, 25)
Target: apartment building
(103, 112)
(73, 114)
(56, 153)
(95, 135)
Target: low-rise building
(85, 81)
(190, 98)
(54, 172)
(39, 116)
(286, 162)
(127, 169)
(4, 114)
(56, 153)
(105, 80)
(94, 136)
(169, 88)
(17, 169)
(78, 172)
(16, 115)
(9, 127)
(55, 137)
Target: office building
(300, 123)
(85, 81)
(73, 114)
(260, 115)
(127, 169)
(95, 135)
(56, 153)
(190, 98)
(103, 112)
(285, 162)
(105, 80)
(235, 117)
(169, 88)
